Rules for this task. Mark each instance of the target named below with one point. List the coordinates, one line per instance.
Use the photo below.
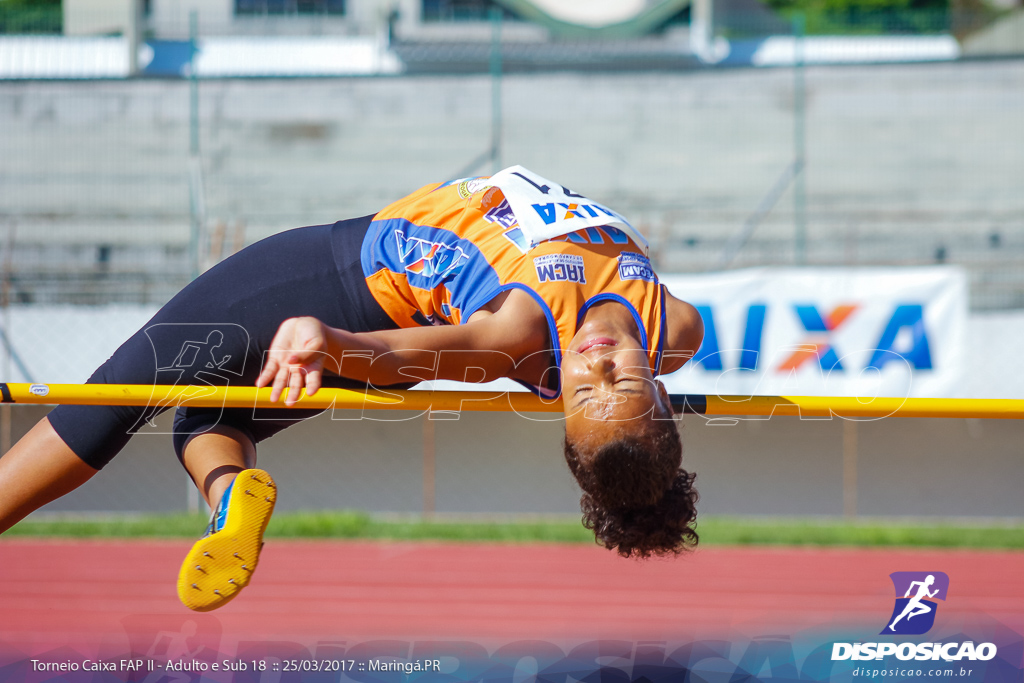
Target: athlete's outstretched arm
(493, 343)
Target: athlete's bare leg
(213, 459)
(221, 563)
(38, 469)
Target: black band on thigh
(256, 425)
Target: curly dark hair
(636, 498)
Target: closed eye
(623, 386)
(628, 386)
(586, 390)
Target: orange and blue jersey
(441, 253)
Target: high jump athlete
(455, 281)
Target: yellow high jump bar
(522, 402)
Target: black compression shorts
(216, 330)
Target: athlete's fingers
(279, 382)
(269, 371)
(295, 359)
(272, 366)
(275, 386)
(294, 386)
(313, 381)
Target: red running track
(87, 593)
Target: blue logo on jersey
(634, 266)
(914, 612)
(560, 268)
(430, 259)
(502, 215)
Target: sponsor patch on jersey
(470, 186)
(501, 215)
(430, 259)
(560, 268)
(633, 266)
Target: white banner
(826, 332)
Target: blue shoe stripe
(220, 516)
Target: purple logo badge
(916, 593)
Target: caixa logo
(903, 338)
(914, 614)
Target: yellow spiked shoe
(220, 563)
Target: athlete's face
(608, 390)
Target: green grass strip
(797, 532)
(713, 530)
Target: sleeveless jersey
(441, 253)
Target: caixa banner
(826, 332)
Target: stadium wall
(905, 164)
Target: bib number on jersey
(546, 210)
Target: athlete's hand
(295, 359)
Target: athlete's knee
(191, 423)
